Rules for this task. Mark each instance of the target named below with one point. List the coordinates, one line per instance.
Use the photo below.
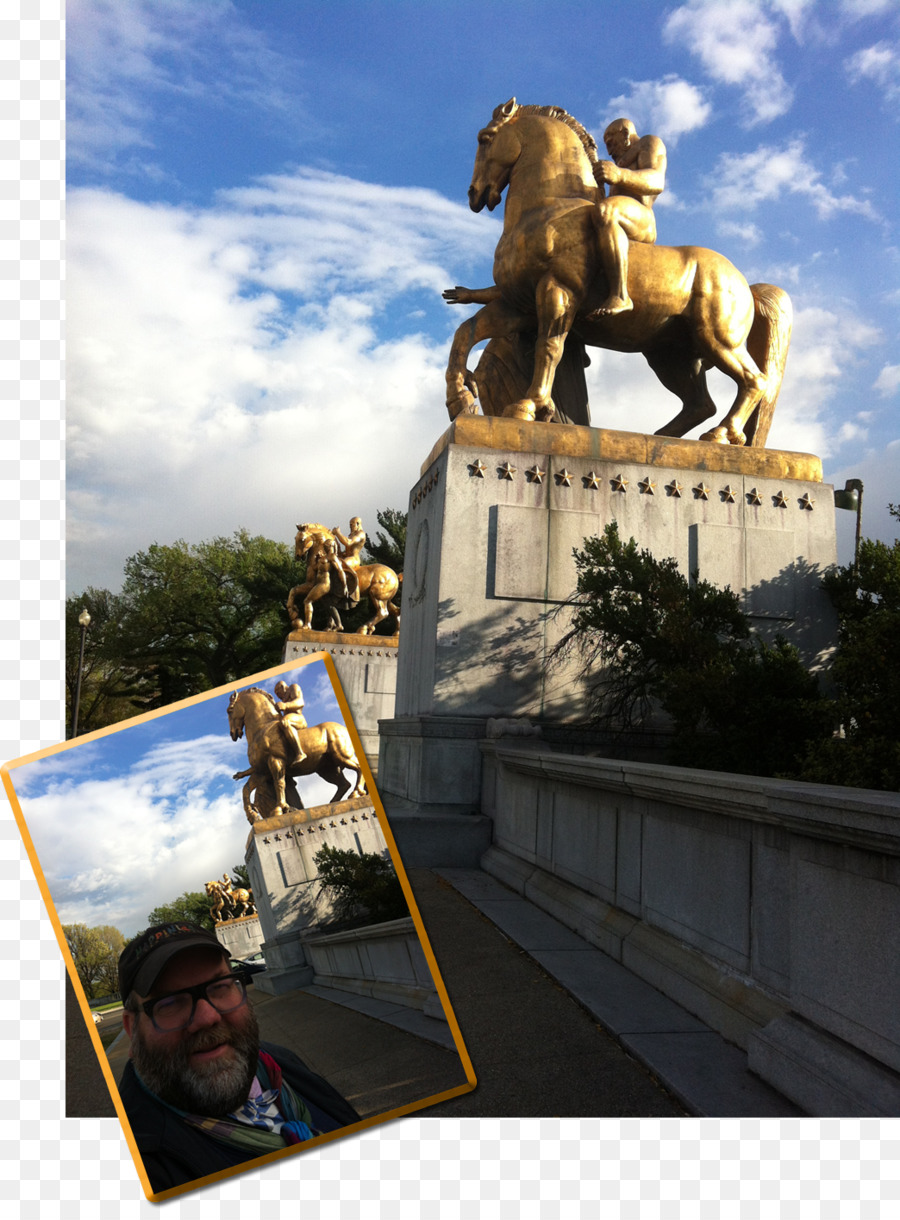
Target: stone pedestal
(284, 879)
(367, 668)
(493, 521)
(241, 937)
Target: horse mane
(259, 690)
(556, 112)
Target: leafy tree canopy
(191, 906)
(866, 672)
(190, 617)
(388, 547)
(95, 952)
(647, 637)
(365, 888)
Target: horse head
(235, 717)
(494, 160)
(310, 535)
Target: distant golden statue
(334, 576)
(685, 308)
(229, 901)
(327, 751)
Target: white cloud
(747, 232)
(742, 181)
(881, 65)
(824, 347)
(625, 394)
(259, 338)
(668, 108)
(857, 9)
(125, 57)
(736, 41)
(888, 381)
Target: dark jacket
(174, 1152)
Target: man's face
(617, 141)
(207, 1067)
(280, 689)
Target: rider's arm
(649, 175)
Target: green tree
(110, 691)
(388, 547)
(647, 638)
(240, 875)
(197, 616)
(95, 952)
(866, 672)
(365, 888)
(191, 906)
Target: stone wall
(384, 961)
(770, 909)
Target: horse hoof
(524, 409)
(718, 436)
(461, 404)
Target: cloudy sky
(131, 820)
(266, 200)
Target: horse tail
(768, 343)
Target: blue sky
(266, 199)
(125, 822)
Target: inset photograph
(243, 943)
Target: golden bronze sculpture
(327, 565)
(690, 308)
(230, 901)
(327, 749)
(635, 176)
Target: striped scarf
(273, 1118)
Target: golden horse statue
(328, 749)
(319, 546)
(228, 900)
(693, 310)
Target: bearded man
(201, 1093)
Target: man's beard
(209, 1089)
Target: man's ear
(128, 1022)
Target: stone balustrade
(768, 908)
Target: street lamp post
(84, 621)
(851, 498)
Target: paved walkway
(553, 1026)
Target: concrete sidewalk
(530, 1044)
(553, 1026)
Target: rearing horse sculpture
(376, 581)
(692, 310)
(328, 750)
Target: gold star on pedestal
(701, 492)
(535, 474)
(806, 501)
(647, 486)
(563, 478)
(619, 484)
(753, 496)
(727, 494)
(674, 489)
(591, 481)
(506, 471)
(780, 501)
(477, 468)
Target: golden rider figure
(290, 705)
(635, 176)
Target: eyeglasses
(170, 1013)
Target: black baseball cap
(143, 959)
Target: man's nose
(204, 1015)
